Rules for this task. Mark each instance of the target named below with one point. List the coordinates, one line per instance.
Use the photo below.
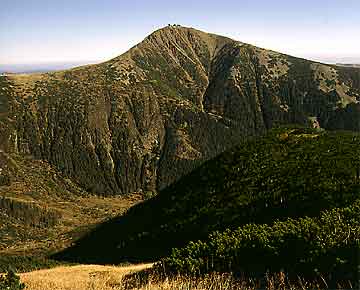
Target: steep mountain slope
(288, 174)
(144, 119)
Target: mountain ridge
(140, 121)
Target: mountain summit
(144, 119)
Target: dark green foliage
(10, 281)
(351, 76)
(29, 213)
(149, 194)
(330, 83)
(344, 118)
(292, 172)
(3, 98)
(4, 179)
(328, 244)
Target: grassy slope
(42, 211)
(81, 277)
(96, 277)
(290, 173)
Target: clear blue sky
(43, 31)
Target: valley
(192, 151)
(42, 211)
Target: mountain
(287, 200)
(140, 121)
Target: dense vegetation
(28, 213)
(326, 245)
(10, 281)
(291, 197)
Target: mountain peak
(144, 119)
(178, 36)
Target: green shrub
(4, 179)
(327, 245)
(149, 194)
(10, 281)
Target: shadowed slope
(287, 174)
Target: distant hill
(348, 65)
(39, 68)
(141, 121)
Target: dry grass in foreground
(95, 277)
(225, 281)
(83, 277)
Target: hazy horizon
(42, 67)
(54, 66)
(80, 32)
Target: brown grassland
(96, 277)
(82, 277)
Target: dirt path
(82, 277)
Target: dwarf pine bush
(11, 281)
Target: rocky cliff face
(142, 120)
